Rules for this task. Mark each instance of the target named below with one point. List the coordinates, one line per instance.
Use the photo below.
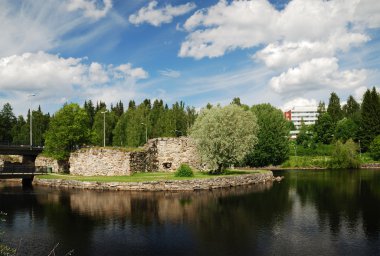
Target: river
(308, 213)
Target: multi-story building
(307, 115)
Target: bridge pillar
(27, 182)
(29, 160)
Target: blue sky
(283, 52)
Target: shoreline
(163, 185)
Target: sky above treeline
(287, 53)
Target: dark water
(308, 213)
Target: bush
(184, 171)
(345, 155)
(375, 149)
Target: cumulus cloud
(90, 8)
(156, 16)
(170, 73)
(297, 102)
(307, 24)
(317, 74)
(55, 76)
(301, 42)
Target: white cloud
(90, 8)
(317, 74)
(297, 102)
(170, 73)
(244, 24)
(54, 77)
(156, 16)
(287, 54)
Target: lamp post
(31, 120)
(146, 132)
(104, 127)
(360, 150)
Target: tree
(90, 109)
(7, 121)
(20, 132)
(97, 134)
(224, 135)
(345, 129)
(68, 129)
(352, 108)
(370, 118)
(272, 147)
(305, 136)
(345, 156)
(324, 128)
(375, 148)
(334, 108)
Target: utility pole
(104, 128)
(31, 120)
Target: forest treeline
(124, 126)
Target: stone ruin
(160, 154)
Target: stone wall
(166, 185)
(162, 154)
(100, 162)
(168, 154)
(57, 166)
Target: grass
(306, 162)
(146, 176)
(367, 159)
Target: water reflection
(314, 212)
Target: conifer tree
(334, 108)
(370, 118)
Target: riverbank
(178, 184)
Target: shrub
(184, 171)
(375, 148)
(345, 155)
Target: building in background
(307, 115)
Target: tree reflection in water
(313, 212)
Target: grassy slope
(143, 177)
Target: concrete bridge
(26, 170)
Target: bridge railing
(24, 169)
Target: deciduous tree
(68, 129)
(272, 147)
(224, 135)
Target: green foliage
(224, 135)
(306, 162)
(370, 118)
(345, 155)
(375, 148)
(97, 135)
(313, 149)
(334, 108)
(305, 136)
(352, 108)
(324, 128)
(345, 129)
(7, 121)
(272, 147)
(69, 128)
(184, 171)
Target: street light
(104, 128)
(146, 132)
(360, 150)
(31, 120)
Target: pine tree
(351, 108)
(370, 118)
(334, 108)
(7, 121)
